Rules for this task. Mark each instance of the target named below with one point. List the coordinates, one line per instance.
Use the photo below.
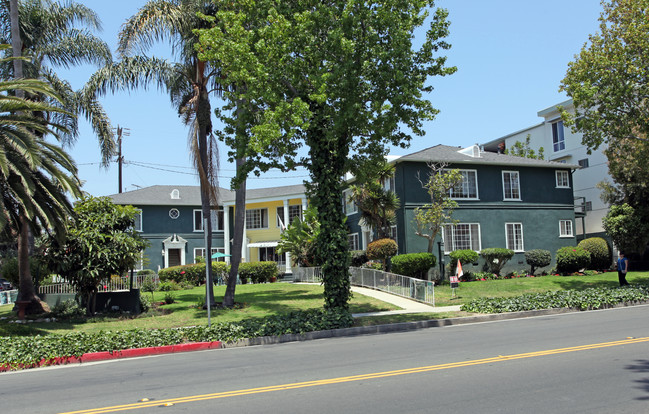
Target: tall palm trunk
(204, 123)
(25, 282)
(237, 244)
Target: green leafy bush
(537, 258)
(25, 352)
(68, 309)
(145, 272)
(413, 264)
(145, 303)
(193, 273)
(464, 256)
(257, 272)
(593, 298)
(572, 259)
(170, 298)
(601, 256)
(495, 258)
(168, 286)
(148, 285)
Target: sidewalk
(406, 305)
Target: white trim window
(215, 215)
(558, 139)
(200, 252)
(461, 236)
(467, 189)
(388, 184)
(565, 228)
(139, 264)
(563, 179)
(393, 232)
(293, 212)
(349, 206)
(137, 225)
(257, 218)
(352, 239)
(514, 236)
(511, 186)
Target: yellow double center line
(339, 380)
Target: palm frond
(76, 47)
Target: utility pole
(120, 159)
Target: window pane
(198, 220)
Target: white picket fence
(112, 285)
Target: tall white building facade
(560, 144)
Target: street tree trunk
(237, 244)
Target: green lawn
(514, 287)
(269, 299)
(257, 301)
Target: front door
(174, 257)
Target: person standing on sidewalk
(622, 268)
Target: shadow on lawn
(641, 366)
(585, 282)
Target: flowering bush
(572, 259)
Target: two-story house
(560, 144)
(503, 201)
(171, 219)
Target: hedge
(381, 249)
(413, 264)
(464, 256)
(193, 273)
(29, 351)
(257, 272)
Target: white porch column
(244, 245)
(304, 206)
(286, 224)
(226, 233)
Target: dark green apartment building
(504, 201)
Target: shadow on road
(641, 366)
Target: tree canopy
(341, 78)
(608, 81)
(101, 241)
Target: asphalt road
(588, 362)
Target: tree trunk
(16, 43)
(328, 156)
(26, 291)
(237, 244)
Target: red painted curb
(124, 353)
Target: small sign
(455, 280)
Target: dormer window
(472, 151)
(175, 194)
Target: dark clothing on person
(622, 268)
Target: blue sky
(511, 56)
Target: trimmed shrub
(464, 256)
(413, 264)
(537, 258)
(168, 286)
(572, 259)
(359, 257)
(382, 249)
(495, 258)
(601, 256)
(145, 272)
(257, 272)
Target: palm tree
(51, 40)
(35, 175)
(189, 82)
(377, 204)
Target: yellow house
(268, 212)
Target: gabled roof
(456, 155)
(190, 195)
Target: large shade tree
(342, 78)
(189, 81)
(608, 81)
